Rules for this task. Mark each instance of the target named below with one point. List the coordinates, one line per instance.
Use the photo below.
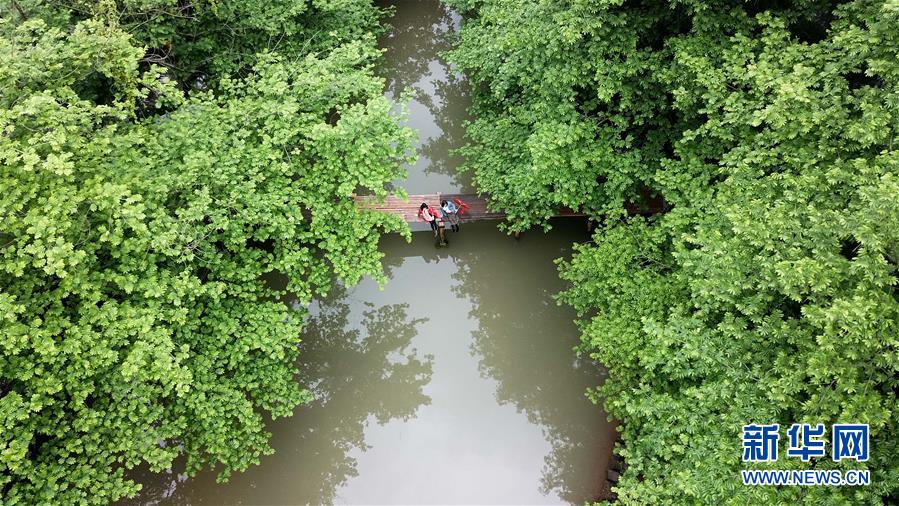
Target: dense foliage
(142, 207)
(769, 293)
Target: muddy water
(456, 383)
(413, 62)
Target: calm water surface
(457, 383)
(413, 62)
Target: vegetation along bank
(158, 158)
(769, 292)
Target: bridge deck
(408, 209)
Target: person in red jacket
(425, 212)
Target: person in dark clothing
(450, 213)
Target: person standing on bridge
(425, 212)
(450, 214)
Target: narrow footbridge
(408, 209)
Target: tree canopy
(151, 181)
(769, 292)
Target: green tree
(768, 293)
(200, 41)
(137, 325)
(568, 108)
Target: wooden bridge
(408, 209)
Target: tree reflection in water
(421, 32)
(348, 368)
(545, 381)
(350, 355)
(451, 122)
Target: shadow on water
(531, 356)
(456, 384)
(349, 355)
(421, 33)
(348, 366)
(522, 342)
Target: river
(457, 382)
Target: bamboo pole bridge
(408, 209)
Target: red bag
(463, 207)
(421, 215)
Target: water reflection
(351, 353)
(456, 384)
(523, 341)
(530, 356)
(508, 420)
(421, 32)
(349, 365)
